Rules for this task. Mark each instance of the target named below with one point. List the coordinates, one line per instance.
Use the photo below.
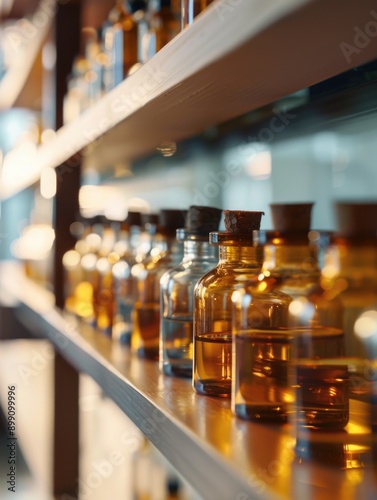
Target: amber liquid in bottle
(238, 263)
(145, 339)
(177, 290)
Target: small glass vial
(268, 358)
(238, 262)
(123, 282)
(166, 254)
(177, 290)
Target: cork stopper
(202, 220)
(242, 221)
(357, 219)
(170, 220)
(133, 218)
(291, 217)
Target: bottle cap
(170, 220)
(202, 220)
(242, 221)
(357, 219)
(291, 217)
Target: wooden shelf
(233, 59)
(221, 456)
(17, 86)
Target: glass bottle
(177, 290)
(122, 279)
(103, 293)
(166, 254)
(310, 328)
(238, 262)
(164, 25)
(71, 264)
(351, 269)
(337, 393)
(191, 8)
(120, 34)
(82, 262)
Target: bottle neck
(246, 256)
(289, 258)
(355, 263)
(199, 250)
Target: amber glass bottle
(120, 35)
(122, 279)
(310, 328)
(166, 254)
(238, 262)
(80, 272)
(351, 269)
(177, 290)
(164, 25)
(103, 293)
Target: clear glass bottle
(191, 8)
(166, 254)
(177, 290)
(122, 279)
(310, 329)
(238, 262)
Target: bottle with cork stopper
(309, 327)
(351, 270)
(239, 261)
(166, 254)
(177, 290)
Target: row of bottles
(281, 322)
(134, 31)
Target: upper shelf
(221, 456)
(237, 56)
(26, 37)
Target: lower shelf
(221, 456)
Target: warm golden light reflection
(366, 325)
(71, 259)
(167, 148)
(89, 261)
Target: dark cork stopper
(170, 220)
(133, 218)
(202, 220)
(291, 217)
(357, 219)
(242, 221)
